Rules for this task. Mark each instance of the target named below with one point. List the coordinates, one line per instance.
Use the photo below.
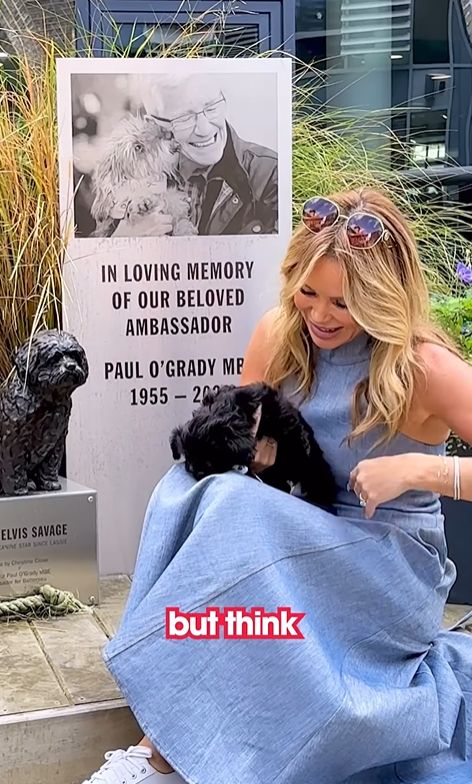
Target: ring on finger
(362, 500)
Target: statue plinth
(50, 537)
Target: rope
(47, 602)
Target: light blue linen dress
(374, 693)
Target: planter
(458, 529)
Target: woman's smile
(321, 302)
(322, 333)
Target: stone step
(63, 745)
(60, 710)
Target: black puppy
(221, 436)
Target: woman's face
(320, 301)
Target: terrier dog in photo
(137, 175)
(222, 435)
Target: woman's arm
(258, 351)
(447, 395)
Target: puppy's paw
(138, 207)
(145, 205)
(176, 442)
(48, 485)
(19, 490)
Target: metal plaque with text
(50, 538)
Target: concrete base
(60, 710)
(63, 746)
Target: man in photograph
(231, 183)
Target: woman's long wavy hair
(386, 293)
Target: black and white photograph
(175, 154)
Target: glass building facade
(409, 61)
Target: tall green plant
(30, 244)
(454, 315)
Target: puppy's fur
(220, 436)
(137, 175)
(35, 406)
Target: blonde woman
(374, 692)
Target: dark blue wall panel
(275, 19)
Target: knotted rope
(47, 602)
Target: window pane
(353, 33)
(145, 40)
(430, 32)
(310, 16)
(428, 138)
(312, 49)
(467, 9)
(312, 31)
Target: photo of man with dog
(175, 155)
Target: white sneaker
(131, 767)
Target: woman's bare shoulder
(431, 353)
(258, 352)
(438, 362)
(447, 390)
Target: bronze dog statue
(35, 407)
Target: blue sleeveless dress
(374, 693)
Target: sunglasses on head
(363, 229)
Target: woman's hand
(266, 448)
(381, 479)
(153, 224)
(266, 452)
